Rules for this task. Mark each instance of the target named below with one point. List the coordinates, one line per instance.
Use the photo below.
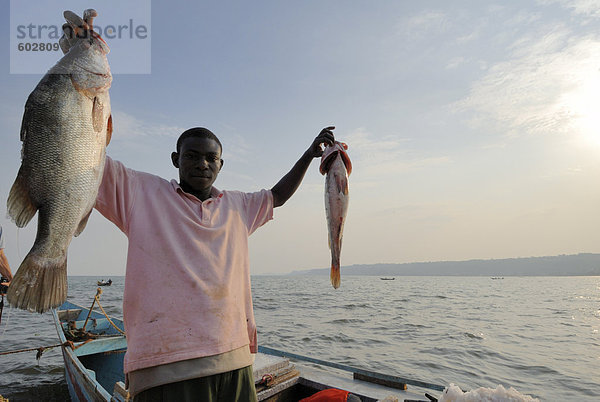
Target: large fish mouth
(329, 155)
(105, 75)
(97, 72)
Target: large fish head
(90, 69)
(85, 54)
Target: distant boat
(387, 279)
(105, 283)
(497, 277)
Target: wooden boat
(387, 279)
(105, 283)
(94, 366)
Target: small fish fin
(82, 223)
(335, 275)
(109, 130)
(347, 162)
(97, 115)
(26, 119)
(20, 207)
(342, 184)
(39, 284)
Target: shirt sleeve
(258, 209)
(117, 193)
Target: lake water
(537, 334)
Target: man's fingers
(74, 20)
(326, 135)
(328, 130)
(76, 28)
(88, 17)
(64, 43)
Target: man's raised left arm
(289, 183)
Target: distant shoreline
(583, 264)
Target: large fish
(66, 127)
(336, 165)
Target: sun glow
(584, 107)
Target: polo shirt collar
(214, 192)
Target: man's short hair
(199, 132)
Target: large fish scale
(63, 159)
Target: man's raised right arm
(116, 194)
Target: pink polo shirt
(187, 286)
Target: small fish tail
(39, 284)
(335, 275)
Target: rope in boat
(107, 317)
(39, 350)
(98, 293)
(97, 300)
(42, 349)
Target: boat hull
(94, 369)
(82, 386)
(90, 368)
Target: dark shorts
(233, 386)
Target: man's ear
(175, 159)
(220, 167)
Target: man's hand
(324, 137)
(289, 183)
(76, 28)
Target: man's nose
(203, 163)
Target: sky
(473, 126)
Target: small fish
(336, 165)
(66, 126)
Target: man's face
(199, 162)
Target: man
(5, 274)
(191, 336)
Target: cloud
(455, 62)
(237, 148)
(589, 8)
(128, 126)
(537, 89)
(426, 20)
(417, 27)
(377, 159)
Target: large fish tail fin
(39, 284)
(20, 207)
(335, 275)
